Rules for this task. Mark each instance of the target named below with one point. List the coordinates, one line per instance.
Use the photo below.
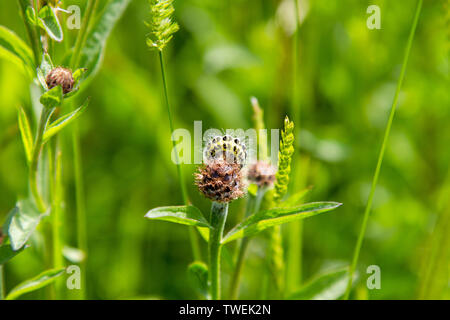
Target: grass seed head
(161, 25)
(60, 77)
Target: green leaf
(188, 215)
(64, 121)
(327, 286)
(7, 253)
(12, 44)
(296, 198)
(40, 281)
(21, 223)
(198, 274)
(25, 130)
(273, 217)
(52, 98)
(78, 74)
(48, 20)
(92, 53)
(30, 16)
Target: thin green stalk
(192, 235)
(82, 35)
(2, 283)
(77, 159)
(219, 212)
(31, 33)
(54, 159)
(80, 204)
(381, 154)
(237, 274)
(45, 116)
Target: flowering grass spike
(161, 25)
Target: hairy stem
(192, 235)
(219, 212)
(37, 147)
(382, 150)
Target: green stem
(56, 193)
(31, 33)
(2, 283)
(237, 274)
(381, 154)
(80, 203)
(45, 116)
(192, 235)
(219, 212)
(82, 36)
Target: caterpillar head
(226, 148)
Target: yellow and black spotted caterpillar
(226, 148)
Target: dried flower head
(226, 148)
(262, 174)
(220, 181)
(60, 77)
(161, 25)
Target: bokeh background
(338, 89)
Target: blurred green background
(224, 53)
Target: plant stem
(192, 235)
(45, 116)
(237, 274)
(31, 33)
(77, 159)
(54, 156)
(82, 35)
(2, 283)
(219, 212)
(80, 203)
(381, 154)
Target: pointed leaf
(52, 98)
(7, 253)
(188, 215)
(327, 286)
(21, 223)
(40, 281)
(269, 218)
(92, 53)
(25, 131)
(12, 44)
(48, 20)
(64, 121)
(296, 198)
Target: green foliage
(11, 43)
(7, 253)
(48, 20)
(92, 53)
(52, 98)
(327, 286)
(38, 282)
(22, 222)
(274, 217)
(62, 122)
(25, 130)
(188, 215)
(161, 25)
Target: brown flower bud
(220, 181)
(60, 77)
(262, 174)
